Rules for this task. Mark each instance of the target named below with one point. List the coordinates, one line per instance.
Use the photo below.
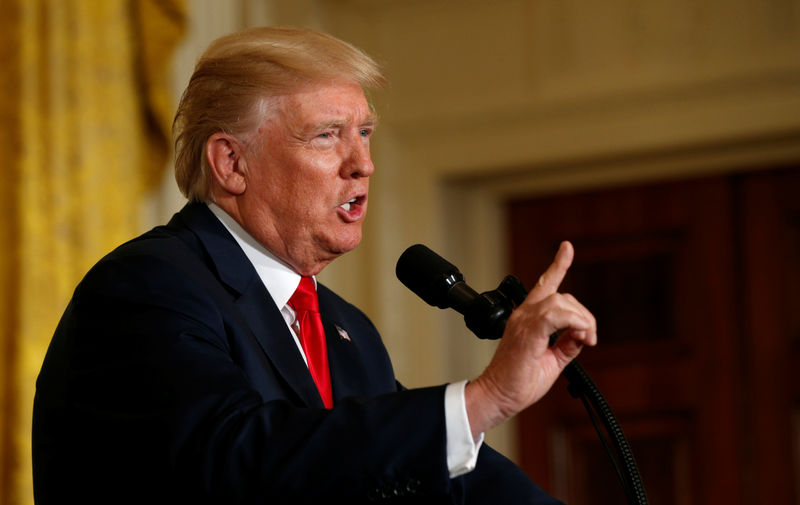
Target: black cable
(603, 439)
(633, 486)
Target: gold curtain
(85, 119)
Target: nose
(357, 161)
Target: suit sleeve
(496, 479)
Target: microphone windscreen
(427, 274)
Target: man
(184, 369)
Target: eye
(365, 132)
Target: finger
(568, 346)
(552, 277)
(588, 335)
(578, 306)
(554, 314)
(572, 336)
(565, 303)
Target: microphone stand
(493, 310)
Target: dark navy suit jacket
(172, 378)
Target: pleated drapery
(85, 115)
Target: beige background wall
(491, 99)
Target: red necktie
(312, 336)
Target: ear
(224, 155)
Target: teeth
(346, 205)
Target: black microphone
(434, 279)
(439, 283)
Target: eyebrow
(371, 120)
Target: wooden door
(770, 292)
(675, 274)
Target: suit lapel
(251, 298)
(348, 376)
(270, 329)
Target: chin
(337, 241)
(348, 246)
(345, 244)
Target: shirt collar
(278, 277)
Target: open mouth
(346, 205)
(353, 209)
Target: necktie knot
(305, 296)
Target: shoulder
(167, 258)
(156, 275)
(152, 258)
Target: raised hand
(524, 366)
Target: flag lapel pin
(342, 333)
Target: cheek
(287, 188)
(301, 187)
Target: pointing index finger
(552, 277)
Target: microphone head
(428, 275)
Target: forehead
(339, 102)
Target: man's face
(307, 173)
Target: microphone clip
(487, 313)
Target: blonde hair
(238, 73)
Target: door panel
(655, 265)
(770, 279)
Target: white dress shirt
(281, 282)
